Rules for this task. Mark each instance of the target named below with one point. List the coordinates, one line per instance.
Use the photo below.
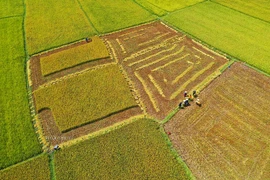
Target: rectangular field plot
(18, 140)
(36, 168)
(235, 33)
(259, 8)
(53, 23)
(135, 151)
(108, 15)
(162, 63)
(228, 137)
(85, 97)
(71, 57)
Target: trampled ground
(162, 64)
(228, 137)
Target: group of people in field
(188, 98)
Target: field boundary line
(99, 119)
(22, 162)
(176, 154)
(129, 27)
(102, 131)
(194, 77)
(169, 116)
(14, 16)
(171, 62)
(157, 86)
(240, 12)
(73, 66)
(52, 166)
(32, 111)
(148, 91)
(166, 12)
(177, 10)
(163, 58)
(89, 20)
(73, 75)
(145, 8)
(255, 69)
(132, 27)
(57, 47)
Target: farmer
(194, 93)
(185, 94)
(88, 40)
(186, 102)
(198, 102)
(190, 97)
(56, 147)
(181, 105)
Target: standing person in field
(198, 102)
(194, 93)
(185, 94)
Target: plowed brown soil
(229, 136)
(162, 63)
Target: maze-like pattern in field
(228, 137)
(162, 63)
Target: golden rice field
(112, 103)
(77, 55)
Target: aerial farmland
(135, 89)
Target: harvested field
(162, 64)
(74, 56)
(228, 137)
(85, 97)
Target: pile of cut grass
(237, 34)
(136, 151)
(71, 57)
(35, 168)
(87, 97)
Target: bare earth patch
(228, 137)
(162, 63)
